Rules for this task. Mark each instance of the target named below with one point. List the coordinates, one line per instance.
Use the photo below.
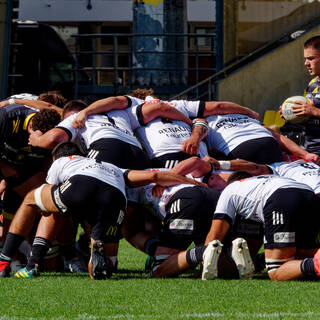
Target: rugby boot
(241, 256)
(24, 273)
(99, 265)
(154, 262)
(210, 260)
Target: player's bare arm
(199, 132)
(225, 107)
(290, 146)
(100, 106)
(37, 104)
(48, 140)
(218, 230)
(165, 179)
(195, 166)
(242, 165)
(151, 111)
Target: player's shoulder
(24, 96)
(14, 110)
(313, 80)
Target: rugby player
(109, 136)
(167, 142)
(22, 167)
(238, 136)
(46, 100)
(291, 245)
(185, 213)
(78, 184)
(312, 107)
(289, 211)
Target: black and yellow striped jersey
(14, 136)
(312, 127)
(313, 91)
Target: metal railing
(206, 87)
(92, 49)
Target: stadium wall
(265, 83)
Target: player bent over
(289, 212)
(188, 214)
(81, 185)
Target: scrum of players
(163, 175)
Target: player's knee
(273, 266)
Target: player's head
(218, 180)
(53, 97)
(65, 149)
(142, 93)
(238, 175)
(312, 55)
(73, 106)
(45, 120)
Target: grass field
(131, 294)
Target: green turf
(131, 294)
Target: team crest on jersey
(284, 237)
(112, 231)
(182, 224)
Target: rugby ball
(287, 112)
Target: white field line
(208, 315)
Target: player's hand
(157, 191)
(34, 137)
(304, 109)
(190, 146)
(80, 120)
(213, 161)
(312, 157)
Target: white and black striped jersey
(66, 167)
(114, 124)
(193, 109)
(144, 196)
(163, 136)
(302, 171)
(24, 96)
(247, 197)
(230, 130)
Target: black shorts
(121, 154)
(101, 204)
(244, 228)
(189, 217)
(169, 160)
(292, 219)
(10, 203)
(263, 150)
